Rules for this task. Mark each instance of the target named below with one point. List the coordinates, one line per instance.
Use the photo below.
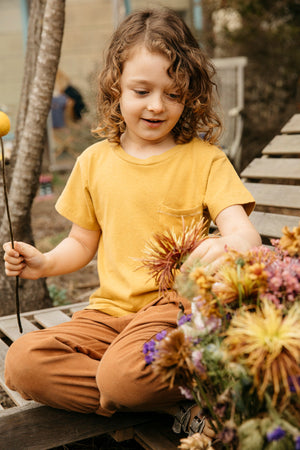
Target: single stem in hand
(11, 236)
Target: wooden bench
(274, 180)
(30, 425)
(230, 82)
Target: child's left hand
(210, 251)
(236, 232)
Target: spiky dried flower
(290, 241)
(203, 279)
(173, 360)
(196, 442)
(167, 251)
(209, 308)
(267, 342)
(261, 254)
(204, 298)
(242, 278)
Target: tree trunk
(29, 153)
(35, 26)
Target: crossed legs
(94, 363)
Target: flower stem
(11, 235)
(239, 285)
(208, 404)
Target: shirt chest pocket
(176, 219)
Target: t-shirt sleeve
(225, 188)
(75, 202)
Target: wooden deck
(274, 180)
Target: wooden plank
(285, 144)
(78, 307)
(51, 318)
(123, 435)
(43, 427)
(277, 168)
(15, 396)
(293, 125)
(66, 308)
(3, 350)
(9, 327)
(277, 195)
(152, 436)
(271, 225)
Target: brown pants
(95, 363)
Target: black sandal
(183, 417)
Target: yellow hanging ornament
(4, 124)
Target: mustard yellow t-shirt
(130, 199)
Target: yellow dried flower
(196, 442)
(240, 282)
(257, 272)
(290, 241)
(4, 124)
(208, 307)
(268, 344)
(203, 280)
(174, 360)
(260, 254)
(206, 303)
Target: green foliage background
(269, 37)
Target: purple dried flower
(292, 384)
(150, 350)
(213, 323)
(149, 346)
(145, 348)
(184, 318)
(149, 358)
(276, 434)
(187, 393)
(297, 446)
(160, 336)
(197, 357)
(197, 361)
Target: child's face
(149, 99)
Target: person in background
(67, 108)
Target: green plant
(58, 295)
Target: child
(155, 98)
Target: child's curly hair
(161, 31)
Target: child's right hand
(23, 260)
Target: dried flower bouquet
(238, 354)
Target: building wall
(88, 27)
(11, 55)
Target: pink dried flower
(283, 281)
